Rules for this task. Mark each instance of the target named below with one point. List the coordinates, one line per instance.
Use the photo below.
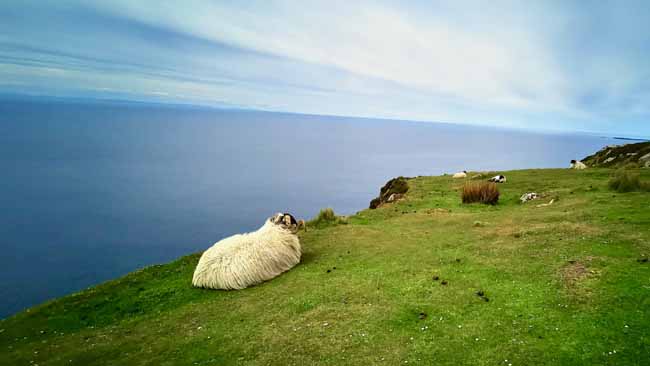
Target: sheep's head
(286, 221)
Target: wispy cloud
(542, 65)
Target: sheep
(578, 165)
(498, 179)
(462, 174)
(244, 260)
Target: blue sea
(90, 191)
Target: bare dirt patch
(573, 273)
(576, 277)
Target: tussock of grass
(483, 192)
(627, 181)
(326, 217)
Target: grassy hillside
(627, 155)
(565, 284)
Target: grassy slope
(542, 310)
(620, 155)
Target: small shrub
(483, 192)
(325, 217)
(626, 181)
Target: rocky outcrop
(392, 191)
(616, 156)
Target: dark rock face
(620, 156)
(375, 203)
(392, 191)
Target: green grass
(626, 180)
(566, 285)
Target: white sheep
(578, 165)
(498, 179)
(462, 174)
(244, 260)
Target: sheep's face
(285, 220)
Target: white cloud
(492, 64)
(506, 62)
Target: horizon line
(222, 106)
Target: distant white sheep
(245, 260)
(498, 179)
(462, 174)
(578, 165)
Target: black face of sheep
(285, 220)
(573, 161)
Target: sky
(555, 65)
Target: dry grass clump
(483, 192)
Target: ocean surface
(91, 191)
